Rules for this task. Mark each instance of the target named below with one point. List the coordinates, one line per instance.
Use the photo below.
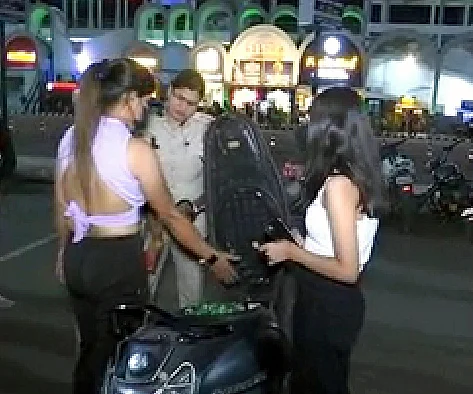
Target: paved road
(418, 336)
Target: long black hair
(342, 141)
(100, 88)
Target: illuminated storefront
(262, 68)
(331, 59)
(208, 59)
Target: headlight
(141, 365)
(138, 362)
(143, 368)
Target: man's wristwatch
(209, 261)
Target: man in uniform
(178, 137)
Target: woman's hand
(223, 269)
(278, 251)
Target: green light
(250, 12)
(353, 12)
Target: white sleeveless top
(319, 238)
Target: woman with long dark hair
(344, 187)
(104, 177)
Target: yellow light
(408, 102)
(310, 61)
(338, 62)
(146, 61)
(21, 56)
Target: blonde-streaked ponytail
(86, 119)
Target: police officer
(178, 137)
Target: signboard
(263, 73)
(263, 55)
(331, 60)
(13, 10)
(21, 53)
(264, 50)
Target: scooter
(393, 162)
(216, 348)
(398, 172)
(238, 346)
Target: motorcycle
(449, 193)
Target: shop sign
(331, 60)
(21, 53)
(257, 73)
(21, 57)
(264, 50)
(332, 68)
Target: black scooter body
(244, 191)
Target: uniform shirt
(319, 236)
(181, 151)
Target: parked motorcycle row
(448, 194)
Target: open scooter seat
(243, 190)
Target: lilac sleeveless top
(109, 153)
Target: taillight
(406, 188)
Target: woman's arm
(341, 201)
(147, 169)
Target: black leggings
(328, 317)
(100, 274)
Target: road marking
(26, 248)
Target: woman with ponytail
(104, 177)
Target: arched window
(155, 22)
(180, 22)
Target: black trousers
(328, 317)
(100, 274)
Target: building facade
(389, 49)
(432, 40)
(160, 34)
